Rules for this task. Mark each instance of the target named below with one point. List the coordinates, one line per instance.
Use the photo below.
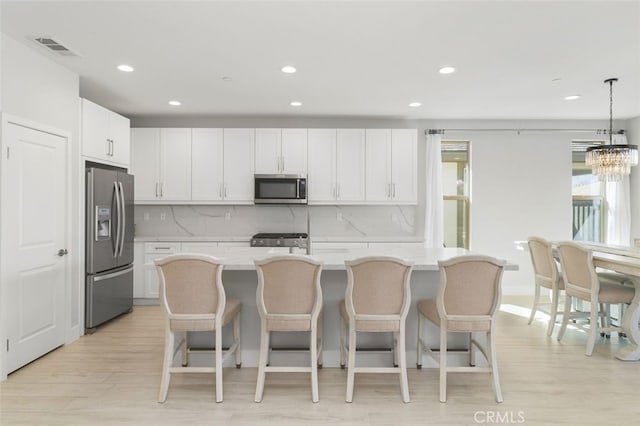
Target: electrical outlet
(227, 216)
(146, 216)
(163, 216)
(394, 217)
(339, 216)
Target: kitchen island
(240, 281)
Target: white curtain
(618, 197)
(433, 221)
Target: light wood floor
(112, 378)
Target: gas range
(280, 239)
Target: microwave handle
(297, 187)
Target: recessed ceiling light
(226, 78)
(571, 97)
(125, 68)
(288, 69)
(556, 79)
(447, 70)
(175, 103)
(295, 103)
(415, 104)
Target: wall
(520, 187)
(36, 88)
(521, 183)
(633, 137)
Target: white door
(294, 151)
(238, 164)
(207, 164)
(34, 229)
(321, 185)
(350, 165)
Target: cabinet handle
(108, 147)
(338, 191)
(394, 190)
(113, 147)
(220, 190)
(157, 191)
(225, 190)
(282, 170)
(162, 189)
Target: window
(455, 190)
(589, 205)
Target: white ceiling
(354, 58)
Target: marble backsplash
(350, 222)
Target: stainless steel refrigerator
(109, 245)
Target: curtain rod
(596, 131)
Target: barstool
(193, 299)
(289, 298)
(377, 300)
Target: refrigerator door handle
(123, 218)
(118, 229)
(98, 278)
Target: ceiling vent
(54, 46)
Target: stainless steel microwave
(280, 189)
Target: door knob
(62, 252)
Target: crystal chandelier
(614, 161)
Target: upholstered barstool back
(288, 286)
(289, 298)
(193, 298)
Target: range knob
(279, 242)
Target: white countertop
(424, 259)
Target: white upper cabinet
(404, 165)
(268, 151)
(161, 163)
(336, 166)
(193, 165)
(350, 172)
(238, 164)
(281, 151)
(175, 160)
(378, 168)
(391, 166)
(321, 180)
(294, 151)
(105, 135)
(145, 160)
(207, 165)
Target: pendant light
(614, 161)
